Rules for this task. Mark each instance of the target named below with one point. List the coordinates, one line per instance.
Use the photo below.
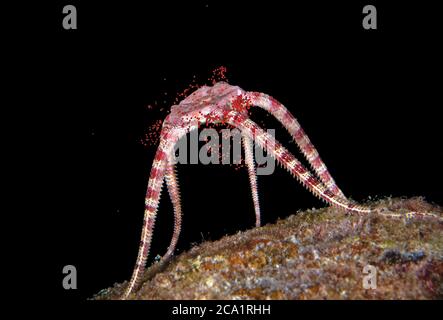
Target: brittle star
(224, 103)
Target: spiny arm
(174, 193)
(291, 124)
(285, 158)
(249, 158)
(151, 204)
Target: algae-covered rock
(316, 254)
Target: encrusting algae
(316, 254)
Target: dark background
(369, 101)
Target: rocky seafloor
(315, 254)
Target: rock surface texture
(315, 254)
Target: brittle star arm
(287, 160)
(174, 193)
(249, 159)
(152, 198)
(281, 113)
